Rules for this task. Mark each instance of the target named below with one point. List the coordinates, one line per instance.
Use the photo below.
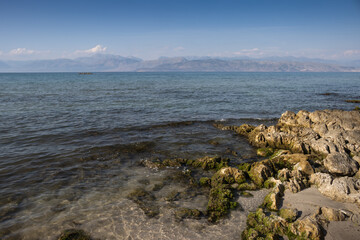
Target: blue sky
(150, 29)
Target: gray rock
(343, 189)
(341, 164)
(325, 132)
(332, 214)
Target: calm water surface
(71, 144)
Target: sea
(72, 146)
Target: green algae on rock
(272, 201)
(208, 163)
(205, 181)
(245, 167)
(288, 214)
(259, 172)
(265, 152)
(220, 201)
(262, 225)
(228, 175)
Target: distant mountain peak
(109, 62)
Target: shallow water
(71, 145)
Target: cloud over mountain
(97, 49)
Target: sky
(151, 29)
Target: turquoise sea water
(70, 144)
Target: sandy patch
(309, 200)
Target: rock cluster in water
(320, 149)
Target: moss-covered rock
(259, 172)
(265, 152)
(264, 224)
(171, 163)
(244, 129)
(249, 234)
(182, 213)
(245, 167)
(270, 226)
(208, 163)
(205, 181)
(288, 214)
(228, 175)
(152, 163)
(246, 194)
(272, 201)
(74, 234)
(247, 186)
(307, 228)
(220, 201)
(269, 183)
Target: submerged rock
(74, 234)
(182, 213)
(145, 201)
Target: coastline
(317, 162)
(133, 173)
(307, 186)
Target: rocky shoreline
(317, 153)
(319, 149)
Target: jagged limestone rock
(341, 164)
(332, 214)
(344, 189)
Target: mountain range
(115, 63)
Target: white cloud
(351, 52)
(178, 49)
(253, 52)
(21, 51)
(97, 49)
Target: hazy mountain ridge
(115, 63)
(217, 65)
